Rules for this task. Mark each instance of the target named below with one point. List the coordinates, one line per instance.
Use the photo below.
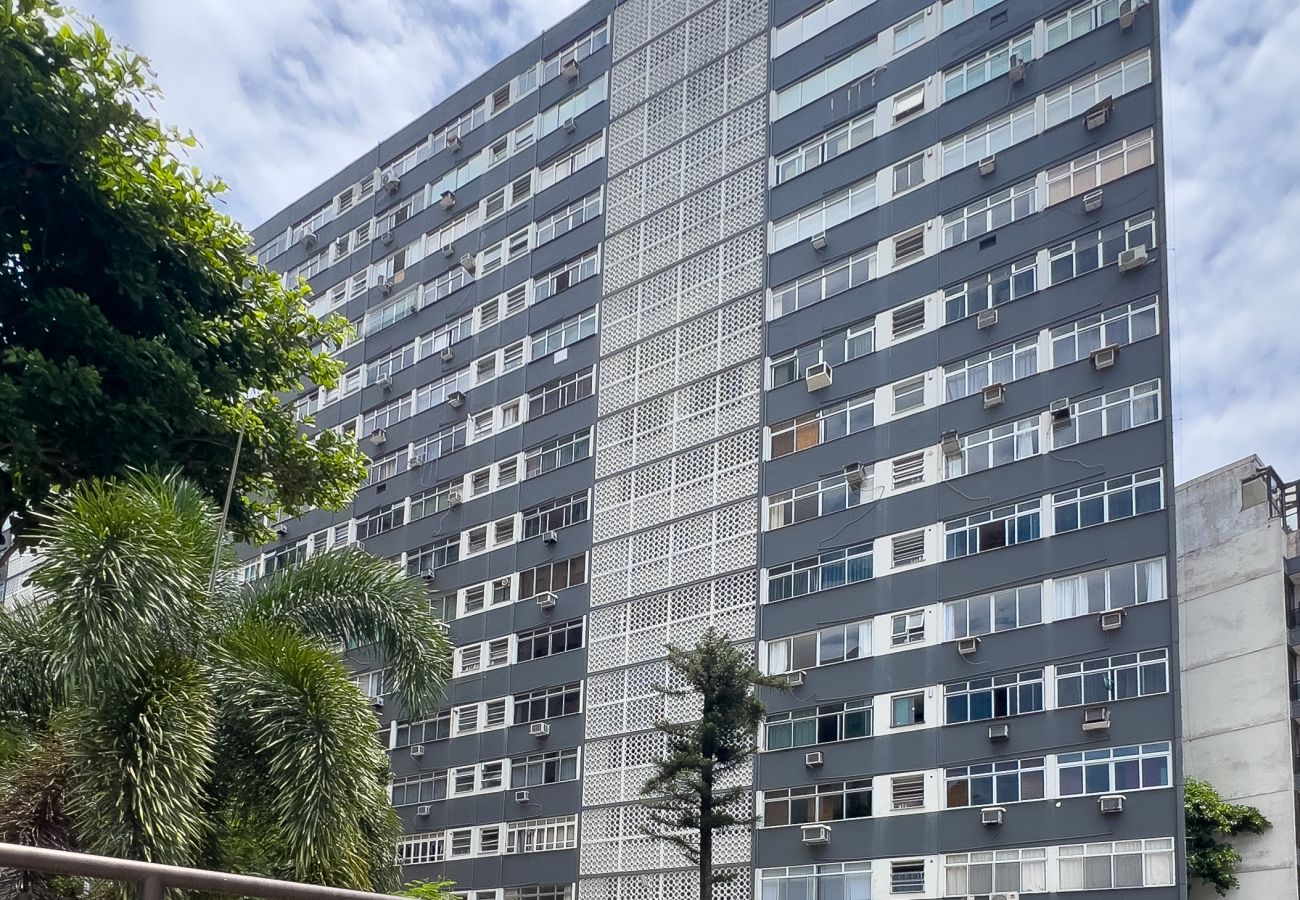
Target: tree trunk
(706, 863)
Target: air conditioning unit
(1017, 71)
(386, 238)
(815, 835)
(454, 141)
(988, 165)
(456, 399)
(539, 729)
(817, 376)
(950, 443)
(1133, 259)
(448, 250)
(383, 381)
(855, 474)
(1127, 14)
(418, 459)
(794, 679)
(1096, 718)
(390, 183)
(1000, 732)
(522, 796)
(818, 241)
(467, 263)
(968, 646)
(1005, 895)
(1112, 620)
(1111, 803)
(385, 287)
(1098, 114)
(1092, 200)
(309, 239)
(813, 759)
(446, 354)
(376, 703)
(454, 498)
(551, 537)
(423, 811)
(547, 600)
(429, 576)
(282, 532)
(570, 125)
(992, 815)
(994, 395)
(570, 70)
(417, 751)
(986, 319)
(448, 200)
(379, 437)
(1104, 357)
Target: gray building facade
(838, 325)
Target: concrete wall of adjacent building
(1236, 697)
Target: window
(909, 103)
(907, 709)
(1109, 81)
(1109, 413)
(548, 703)
(824, 214)
(390, 364)
(586, 45)
(857, 340)
(566, 275)
(438, 445)
(816, 428)
(909, 395)
(1112, 769)
(989, 138)
(557, 453)
(909, 33)
(907, 628)
(855, 65)
(1100, 167)
(991, 64)
(824, 647)
(832, 569)
(385, 467)
(430, 395)
(426, 731)
(990, 213)
(909, 548)
(825, 724)
(990, 613)
(384, 518)
(1116, 864)
(1101, 248)
(820, 498)
(543, 768)
(1081, 19)
(417, 849)
(386, 416)
(909, 174)
(909, 246)
(1000, 366)
(1115, 328)
(1117, 587)
(571, 107)
(554, 576)
(994, 447)
(986, 871)
(564, 334)
(568, 218)
(554, 515)
(828, 802)
(539, 892)
(563, 166)
(1108, 678)
(825, 147)
(1109, 501)
(559, 393)
(423, 788)
(993, 529)
(994, 697)
(907, 876)
(433, 556)
(548, 640)
(996, 783)
(829, 281)
(537, 835)
(823, 881)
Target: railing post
(151, 888)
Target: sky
(283, 93)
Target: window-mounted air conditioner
(417, 751)
(467, 263)
(309, 239)
(794, 679)
(386, 238)
(1127, 14)
(390, 183)
(547, 600)
(1133, 259)
(986, 319)
(377, 703)
(817, 376)
(1098, 114)
(855, 474)
(1112, 620)
(994, 395)
(1016, 73)
(950, 443)
(428, 575)
(988, 165)
(1059, 410)
(379, 437)
(446, 354)
(818, 241)
(456, 399)
(992, 815)
(1096, 718)
(551, 537)
(539, 729)
(967, 646)
(1092, 200)
(448, 200)
(418, 459)
(383, 381)
(522, 796)
(570, 70)
(1000, 732)
(1004, 895)
(282, 532)
(448, 250)
(813, 759)
(454, 498)
(1111, 803)
(815, 835)
(570, 125)
(385, 286)
(454, 141)
(423, 811)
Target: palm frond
(305, 759)
(33, 811)
(29, 691)
(353, 597)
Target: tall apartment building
(1238, 566)
(838, 325)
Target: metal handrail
(153, 877)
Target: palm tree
(143, 715)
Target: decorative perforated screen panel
(612, 841)
(682, 885)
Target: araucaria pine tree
(695, 791)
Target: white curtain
(1155, 579)
(1158, 868)
(778, 657)
(1071, 597)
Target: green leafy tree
(1210, 818)
(698, 787)
(136, 331)
(429, 890)
(164, 722)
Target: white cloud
(283, 93)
